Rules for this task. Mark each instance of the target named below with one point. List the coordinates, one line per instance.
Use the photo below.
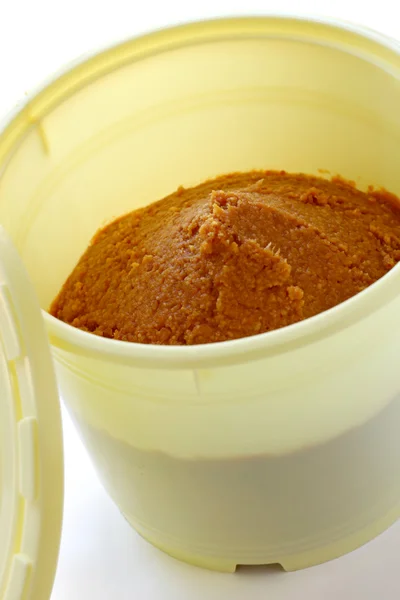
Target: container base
(290, 562)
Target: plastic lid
(31, 455)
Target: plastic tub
(281, 448)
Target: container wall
(294, 459)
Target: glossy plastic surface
(279, 448)
(31, 457)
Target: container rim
(372, 46)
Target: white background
(101, 557)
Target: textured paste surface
(235, 256)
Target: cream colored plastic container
(281, 448)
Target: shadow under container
(280, 448)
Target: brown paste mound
(239, 255)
